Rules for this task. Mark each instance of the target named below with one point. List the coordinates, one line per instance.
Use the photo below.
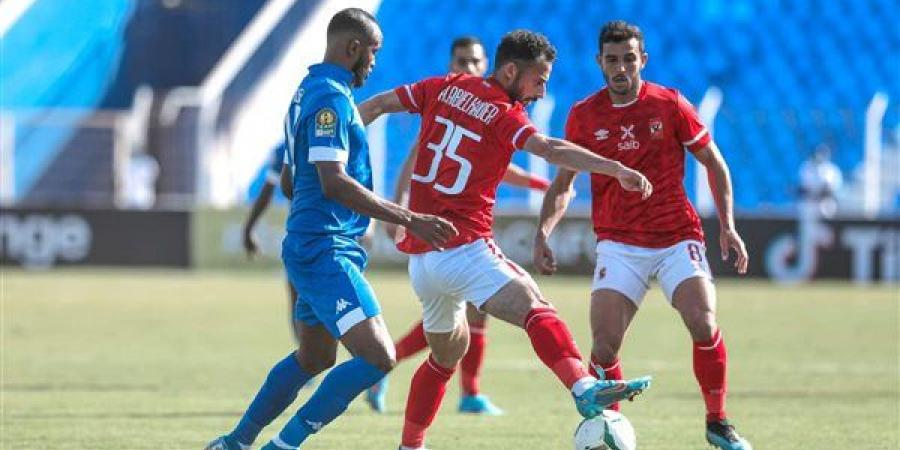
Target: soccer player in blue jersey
(329, 179)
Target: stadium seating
(794, 73)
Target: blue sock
(342, 384)
(276, 394)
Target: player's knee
(448, 357)
(605, 351)
(702, 326)
(314, 364)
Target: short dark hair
(620, 31)
(525, 46)
(354, 20)
(464, 41)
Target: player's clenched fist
(432, 229)
(632, 180)
(544, 261)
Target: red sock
(611, 371)
(470, 366)
(426, 392)
(554, 345)
(413, 342)
(710, 360)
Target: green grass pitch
(132, 359)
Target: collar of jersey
(332, 71)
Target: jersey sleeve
(327, 129)
(513, 127)
(689, 130)
(278, 156)
(415, 96)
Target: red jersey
(470, 129)
(648, 135)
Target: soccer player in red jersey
(646, 127)
(467, 55)
(470, 128)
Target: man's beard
(357, 70)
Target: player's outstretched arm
(552, 211)
(574, 157)
(520, 177)
(383, 103)
(259, 207)
(342, 188)
(719, 179)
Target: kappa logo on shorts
(601, 273)
(341, 305)
(326, 122)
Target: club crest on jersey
(656, 128)
(326, 122)
(601, 134)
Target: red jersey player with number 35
(646, 126)
(470, 128)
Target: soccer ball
(608, 431)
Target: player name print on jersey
(468, 103)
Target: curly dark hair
(620, 31)
(524, 46)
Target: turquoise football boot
(606, 392)
(376, 395)
(722, 435)
(478, 404)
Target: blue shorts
(327, 273)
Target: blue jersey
(273, 176)
(323, 124)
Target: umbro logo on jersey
(601, 134)
(627, 132)
(341, 305)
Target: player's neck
(627, 98)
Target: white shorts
(445, 280)
(628, 268)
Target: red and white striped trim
(410, 95)
(696, 138)
(499, 254)
(519, 133)
(715, 344)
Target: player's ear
(510, 70)
(644, 57)
(354, 46)
(599, 59)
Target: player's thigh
(369, 339)
(442, 309)
(335, 292)
(448, 348)
(683, 261)
(317, 348)
(624, 269)
(611, 314)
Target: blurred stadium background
(134, 133)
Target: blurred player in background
(470, 128)
(646, 126)
(329, 180)
(467, 55)
(273, 177)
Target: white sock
(582, 385)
